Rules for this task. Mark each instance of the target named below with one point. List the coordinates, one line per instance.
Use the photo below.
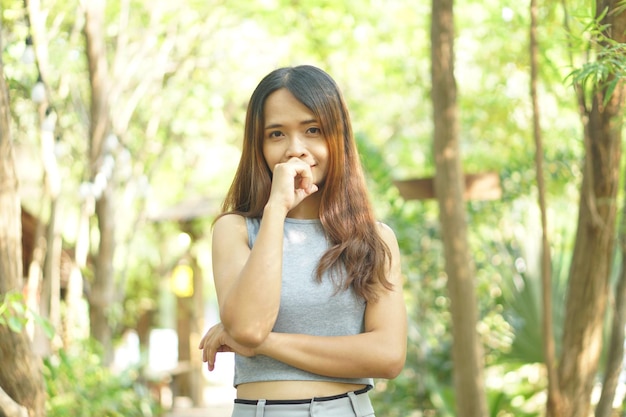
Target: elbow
(395, 368)
(250, 335)
(392, 367)
(392, 370)
(247, 328)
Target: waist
(295, 390)
(356, 404)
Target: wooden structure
(484, 186)
(33, 229)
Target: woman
(308, 283)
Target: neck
(309, 208)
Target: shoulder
(229, 226)
(387, 234)
(393, 273)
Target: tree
(449, 186)
(102, 295)
(21, 379)
(589, 276)
(546, 257)
(615, 357)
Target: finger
(305, 183)
(301, 183)
(304, 178)
(206, 352)
(307, 186)
(302, 169)
(211, 360)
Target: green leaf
(46, 326)
(609, 91)
(620, 8)
(19, 309)
(16, 324)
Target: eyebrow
(302, 123)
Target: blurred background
(126, 121)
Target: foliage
(15, 314)
(608, 68)
(524, 309)
(13, 311)
(181, 73)
(79, 385)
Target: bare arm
(248, 281)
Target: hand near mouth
(292, 182)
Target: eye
(275, 134)
(314, 131)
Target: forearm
(250, 307)
(365, 355)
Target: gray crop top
(306, 306)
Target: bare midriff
(293, 390)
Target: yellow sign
(181, 281)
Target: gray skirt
(350, 404)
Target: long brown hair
(345, 210)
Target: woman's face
(292, 130)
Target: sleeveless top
(306, 305)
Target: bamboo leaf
(609, 91)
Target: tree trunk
(615, 358)
(197, 326)
(588, 288)
(20, 377)
(549, 352)
(195, 306)
(75, 287)
(48, 252)
(467, 350)
(102, 295)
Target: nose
(296, 147)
